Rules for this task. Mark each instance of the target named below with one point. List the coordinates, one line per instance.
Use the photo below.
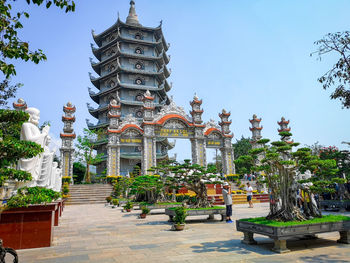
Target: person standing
(249, 191)
(227, 195)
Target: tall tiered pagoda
(131, 60)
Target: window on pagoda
(111, 84)
(139, 66)
(139, 114)
(138, 50)
(139, 97)
(138, 36)
(139, 81)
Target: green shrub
(109, 199)
(32, 195)
(180, 215)
(145, 210)
(128, 205)
(115, 201)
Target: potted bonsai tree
(115, 202)
(179, 220)
(145, 211)
(128, 206)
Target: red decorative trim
(196, 102)
(228, 135)
(113, 106)
(64, 118)
(149, 98)
(257, 120)
(225, 114)
(149, 108)
(282, 122)
(20, 105)
(199, 125)
(126, 127)
(225, 122)
(210, 130)
(65, 135)
(196, 111)
(282, 130)
(113, 116)
(69, 108)
(255, 128)
(173, 116)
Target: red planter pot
(210, 186)
(28, 227)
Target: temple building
(131, 59)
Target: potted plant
(128, 206)
(179, 220)
(109, 199)
(115, 202)
(145, 211)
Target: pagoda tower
(131, 59)
(256, 131)
(284, 128)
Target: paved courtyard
(95, 233)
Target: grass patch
(201, 208)
(162, 203)
(324, 219)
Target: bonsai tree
(194, 177)
(147, 188)
(12, 148)
(282, 166)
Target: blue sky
(245, 56)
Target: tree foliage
(241, 147)
(79, 171)
(281, 167)
(12, 148)
(13, 47)
(339, 74)
(192, 176)
(85, 150)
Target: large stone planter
(281, 234)
(209, 212)
(28, 227)
(342, 205)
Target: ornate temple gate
(170, 122)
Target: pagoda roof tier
(137, 155)
(161, 59)
(255, 128)
(284, 130)
(139, 103)
(119, 24)
(161, 74)
(98, 51)
(95, 96)
(94, 112)
(100, 124)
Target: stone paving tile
(106, 235)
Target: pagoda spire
(132, 17)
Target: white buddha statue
(45, 179)
(31, 132)
(56, 177)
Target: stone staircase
(238, 198)
(82, 194)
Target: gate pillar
(228, 165)
(149, 149)
(113, 146)
(198, 142)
